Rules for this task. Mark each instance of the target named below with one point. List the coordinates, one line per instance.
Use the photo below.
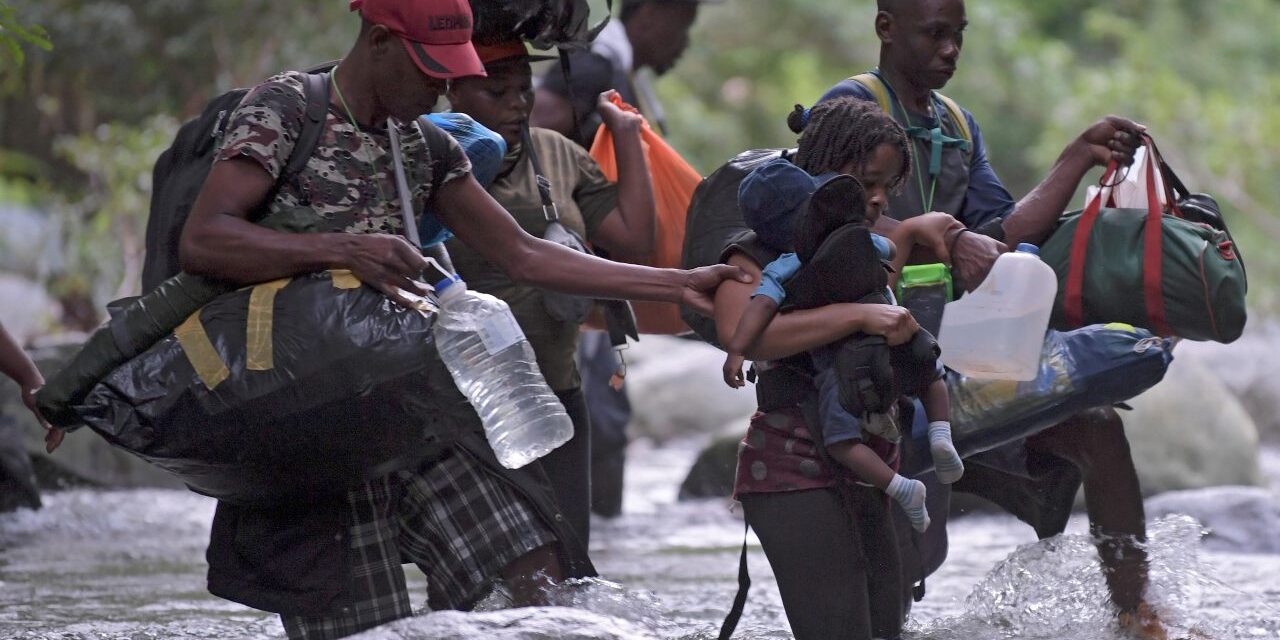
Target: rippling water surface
(130, 564)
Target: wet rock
(1236, 519)
(17, 478)
(676, 389)
(30, 244)
(26, 310)
(530, 623)
(712, 473)
(1190, 432)
(1250, 368)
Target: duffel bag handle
(1152, 251)
(1153, 247)
(1073, 298)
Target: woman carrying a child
(826, 529)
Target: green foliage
(14, 34)
(105, 230)
(1201, 75)
(124, 61)
(79, 129)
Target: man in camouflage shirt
(334, 568)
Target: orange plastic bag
(673, 184)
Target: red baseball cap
(507, 51)
(436, 33)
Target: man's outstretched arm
(1036, 215)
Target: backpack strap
(872, 82)
(549, 210)
(880, 91)
(316, 88)
(402, 187)
(744, 585)
(957, 116)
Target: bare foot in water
(1143, 623)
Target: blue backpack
(483, 147)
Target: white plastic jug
(996, 332)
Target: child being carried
(829, 255)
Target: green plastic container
(925, 289)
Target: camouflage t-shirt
(348, 184)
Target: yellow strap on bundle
(199, 349)
(260, 353)
(344, 279)
(260, 356)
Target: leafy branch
(14, 34)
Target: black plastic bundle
(283, 392)
(135, 325)
(543, 23)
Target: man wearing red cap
(333, 568)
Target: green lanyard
(373, 168)
(936, 139)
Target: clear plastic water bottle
(495, 368)
(998, 330)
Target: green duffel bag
(1175, 274)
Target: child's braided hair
(837, 132)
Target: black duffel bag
(284, 391)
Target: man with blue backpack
(1035, 479)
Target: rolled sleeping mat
(135, 325)
(1093, 366)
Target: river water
(130, 564)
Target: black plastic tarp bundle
(283, 391)
(543, 23)
(1094, 366)
(135, 325)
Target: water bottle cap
(444, 285)
(1027, 247)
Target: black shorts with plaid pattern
(453, 518)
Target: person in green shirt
(616, 217)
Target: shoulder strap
(957, 116)
(402, 187)
(880, 92)
(871, 82)
(316, 88)
(544, 185)
(744, 585)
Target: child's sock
(946, 462)
(910, 494)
